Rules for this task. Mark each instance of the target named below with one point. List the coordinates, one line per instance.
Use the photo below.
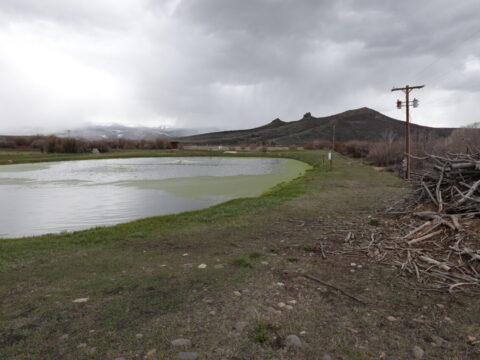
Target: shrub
(69, 145)
(357, 149)
(38, 144)
(263, 331)
(50, 144)
(5, 143)
(384, 154)
(242, 263)
(309, 248)
(464, 140)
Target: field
(229, 280)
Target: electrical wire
(460, 43)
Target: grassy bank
(21, 156)
(141, 285)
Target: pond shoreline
(71, 191)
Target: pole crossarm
(408, 88)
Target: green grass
(263, 331)
(309, 248)
(241, 262)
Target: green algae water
(73, 195)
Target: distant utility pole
(407, 104)
(333, 145)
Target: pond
(73, 195)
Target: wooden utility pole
(407, 90)
(333, 144)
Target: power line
(460, 43)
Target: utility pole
(333, 145)
(407, 104)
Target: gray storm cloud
(232, 64)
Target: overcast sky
(233, 63)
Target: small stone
(240, 325)
(202, 266)
(264, 263)
(441, 306)
(353, 264)
(418, 352)
(151, 352)
(359, 267)
(289, 307)
(181, 342)
(303, 332)
(187, 355)
(326, 357)
(82, 345)
(63, 337)
(446, 318)
(271, 310)
(81, 300)
(218, 266)
(280, 284)
(292, 302)
(237, 293)
(352, 271)
(293, 340)
(281, 305)
(391, 318)
(186, 254)
(438, 340)
(138, 336)
(252, 310)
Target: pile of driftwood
(440, 243)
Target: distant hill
(360, 124)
